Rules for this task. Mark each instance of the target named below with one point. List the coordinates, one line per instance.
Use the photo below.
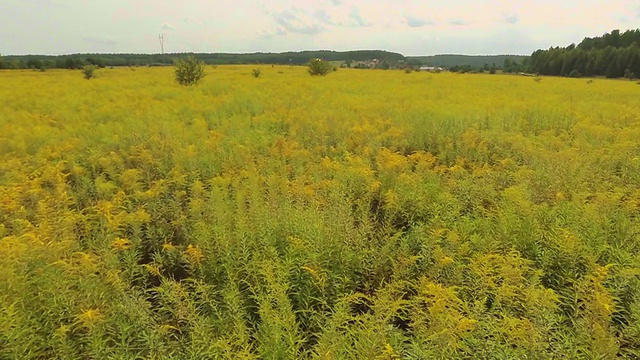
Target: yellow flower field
(363, 215)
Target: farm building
(430, 68)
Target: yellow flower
(168, 247)
(446, 261)
(63, 330)
(391, 198)
(153, 269)
(374, 186)
(194, 254)
(466, 324)
(310, 271)
(90, 317)
(142, 216)
(120, 244)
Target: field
(363, 215)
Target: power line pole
(161, 38)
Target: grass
(362, 215)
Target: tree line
(613, 55)
(77, 61)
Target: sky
(410, 27)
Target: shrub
(574, 74)
(89, 71)
(319, 67)
(408, 70)
(628, 74)
(189, 71)
(256, 73)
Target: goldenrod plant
(372, 215)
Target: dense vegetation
(364, 215)
(613, 55)
(473, 61)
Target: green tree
(34, 63)
(319, 67)
(73, 63)
(89, 71)
(96, 61)
(18, 64)
(189, 71)
(613, 69)
(628, 74)
(569, 62)
(590, 66)
(634, 59)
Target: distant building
(430, 68)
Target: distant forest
(76, 61)
(614, 55)
(475, 61)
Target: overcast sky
(411, 27)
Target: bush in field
(319, 67)
(256, 73)
(574, 74)
(189, 71)
(89, 71)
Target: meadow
(363, 215)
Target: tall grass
(364, 215)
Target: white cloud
(191, 21)
(357, 20)
(458, 22)
(417, 22)
(323, 16)
(295, 24)
(511, 17)
(168, 27)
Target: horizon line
(257, 52)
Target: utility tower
(161, 38)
